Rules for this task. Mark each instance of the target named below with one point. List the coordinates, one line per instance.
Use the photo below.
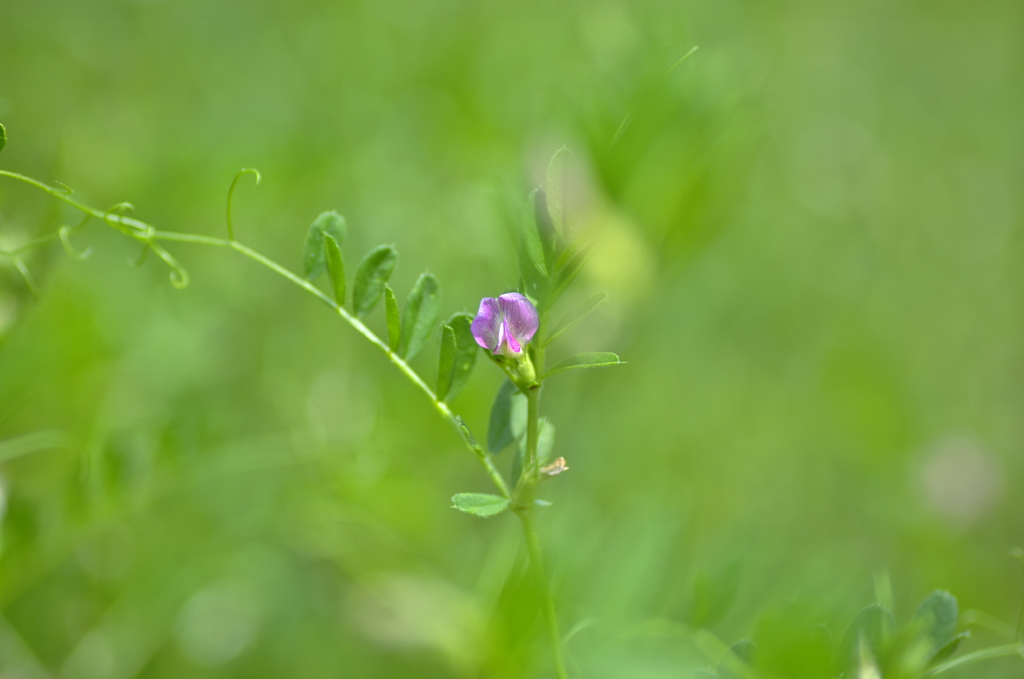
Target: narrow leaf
(508, 417)
(331, 223)
(588, 359)
(576, 315)
(445, 362)
(371, 278)
(335, 267)
(422, 308)
(479, 504)
(555, 189)
(393, 319)
(3, 136)
(466, 350)
(531, 234)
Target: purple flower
(506, 324)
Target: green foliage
(508, 417)
(419, 316)
(394, 320)
(372, 277)
(335, 267)
(3, 136)
(936, 618)
(329, 223)
(714, 593)
(866, 640)
(577, 314)
(531, 235)
(479, 504)
(466, 350)
(587, 359)
(445, 362)
(555, 190)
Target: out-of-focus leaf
(576, 315)
(569, 273)
(874, 625)
(741, 653)
(3, 136)
(372, 277)
(394, 319)
(330, 223)
(27, 444)
(422, 309)
(588, 359)
(466, 350)
(531, 234)
(949, 648)
(445, 362)
(533, 285)
(555, 189)
(936, 619)
(335, 267)
(508, 417)
(714, 592)
(545, 440)
(479, 504)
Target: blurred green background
(811, 233)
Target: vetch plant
(513, 328)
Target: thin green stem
(144, 232)
(977, 656)
(532, 433)
(547, 602)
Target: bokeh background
(810, 231)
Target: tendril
(141, 259)
(30, 282)
(179, 275)
(231, 193)
(64, 234)
(67, 189)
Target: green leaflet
(331, 223)
(588, 359)
(555, 188)
(422, 308)
(371, 278)
(479, 504)
(445, 362)
(335, 267)
(508, 417)
(866, 639)
(576, 315)
(3, 136)
(466, 350)
(393, 319)
(531, 234)
(936, 618)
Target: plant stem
(547, 603)
(983, 654)
(144, 232)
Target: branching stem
(145, 233)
